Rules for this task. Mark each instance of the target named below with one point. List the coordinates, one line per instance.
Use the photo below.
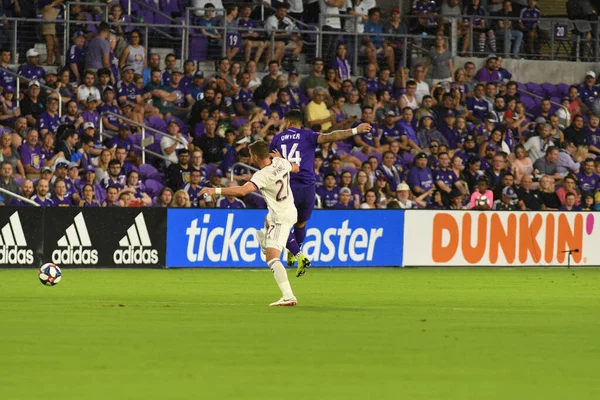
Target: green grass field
(356, 334)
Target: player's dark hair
(114, 161)
(260, 148)
(294, 115)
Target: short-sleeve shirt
(298, 145)
(96, 50)
(31, 156)
(274, 183)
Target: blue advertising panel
(227, 238)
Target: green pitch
(356, 334)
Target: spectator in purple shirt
(420, 178)
(230, 201)
(489, 73)
(123, 139)
(91, 114)
(76, 56)
(570, 200)
(344, 202)
(329, 192)
(41, 197)
(31, 69)
(88, 197)
(26, 191)
(31, 155)
(49, 121)
(61, 198)
(530, 17)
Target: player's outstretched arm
(237, 191)
(343, 134)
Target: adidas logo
(11, 238)
(74, 241)
(135, 241)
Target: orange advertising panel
(488, 238)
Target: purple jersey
(478, 107)
(372, 85)
(127, 144)
(31, 71)
(166, 77)
(91, 116)
(370, 136)
(588, 94)
(130, 91)
(450, 134)
(245, 97)
(224, 202)
(66, 202)
(77, 57)
(422, 178)
(394, 133)
(385, 86)
(194, 193)
(31, 156)
(588, 183)
(72, 186)
(329, 198)
(298, 145)
(111, 118)
(47, 121)
(343, 68)
(408, 130)
(5, 78)
(448, 177)
(530, 17)
(44, 202)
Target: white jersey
(274, 183)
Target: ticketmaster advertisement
(227, 238)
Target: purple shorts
(304, 200)
(234, 40)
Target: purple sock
(300, 234)
(292, 245)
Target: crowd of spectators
(460, 138)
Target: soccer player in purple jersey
(298, 144)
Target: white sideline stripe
(18, 230)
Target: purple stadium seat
(527, 102)
(19, 181)
(377, 156)
(521, 86)
(135, 7)
(563, 89)
(351, 170)
(153, 187)
(555, 99)
(198, 47)
(361, 156)
(147, 15)
(550, 90)
(535, 88)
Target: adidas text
(75, 255)
(135, 256)
(14, 255)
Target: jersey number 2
(293, 156)
(284, 188)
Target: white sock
(281, 278)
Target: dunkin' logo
(541, 238)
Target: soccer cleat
(291, 259)
(261, 236)
(303, 263)
(284, 302)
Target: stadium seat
(563, 89)
(135, 7)
(550, 90)
(535, 89)
(153, 187)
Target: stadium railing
(42, 86)
(145, 141)
(18, 196)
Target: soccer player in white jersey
(273, 180)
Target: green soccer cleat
(303, 263)
(291, 259)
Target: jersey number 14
(293, 156)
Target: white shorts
(277, 236)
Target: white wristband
(354, 131)
(218, 191)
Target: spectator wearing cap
(41, 196)
(230, 202)
(7, 181)
(69, 172)
(402, 195)
(420, 177)
(90, 114)
(98, 50)
(428, 133)
(109, 121)
(60, 197)
(588, 90)
(196, 87)
(31, 155)
(76, 56)
(87, 89)
(214, 181)
(49, 121)
(447, 129)
(31, 69)
(89, 130)
(288, 40)
(508, 200)
(344, 200)
(48, 174)
(315, 79)
(9, 108)
(176, 141)
(32, 105)
(113, 176)
(127, 90)
(391, 131)
(329, 192)
(174, 98)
